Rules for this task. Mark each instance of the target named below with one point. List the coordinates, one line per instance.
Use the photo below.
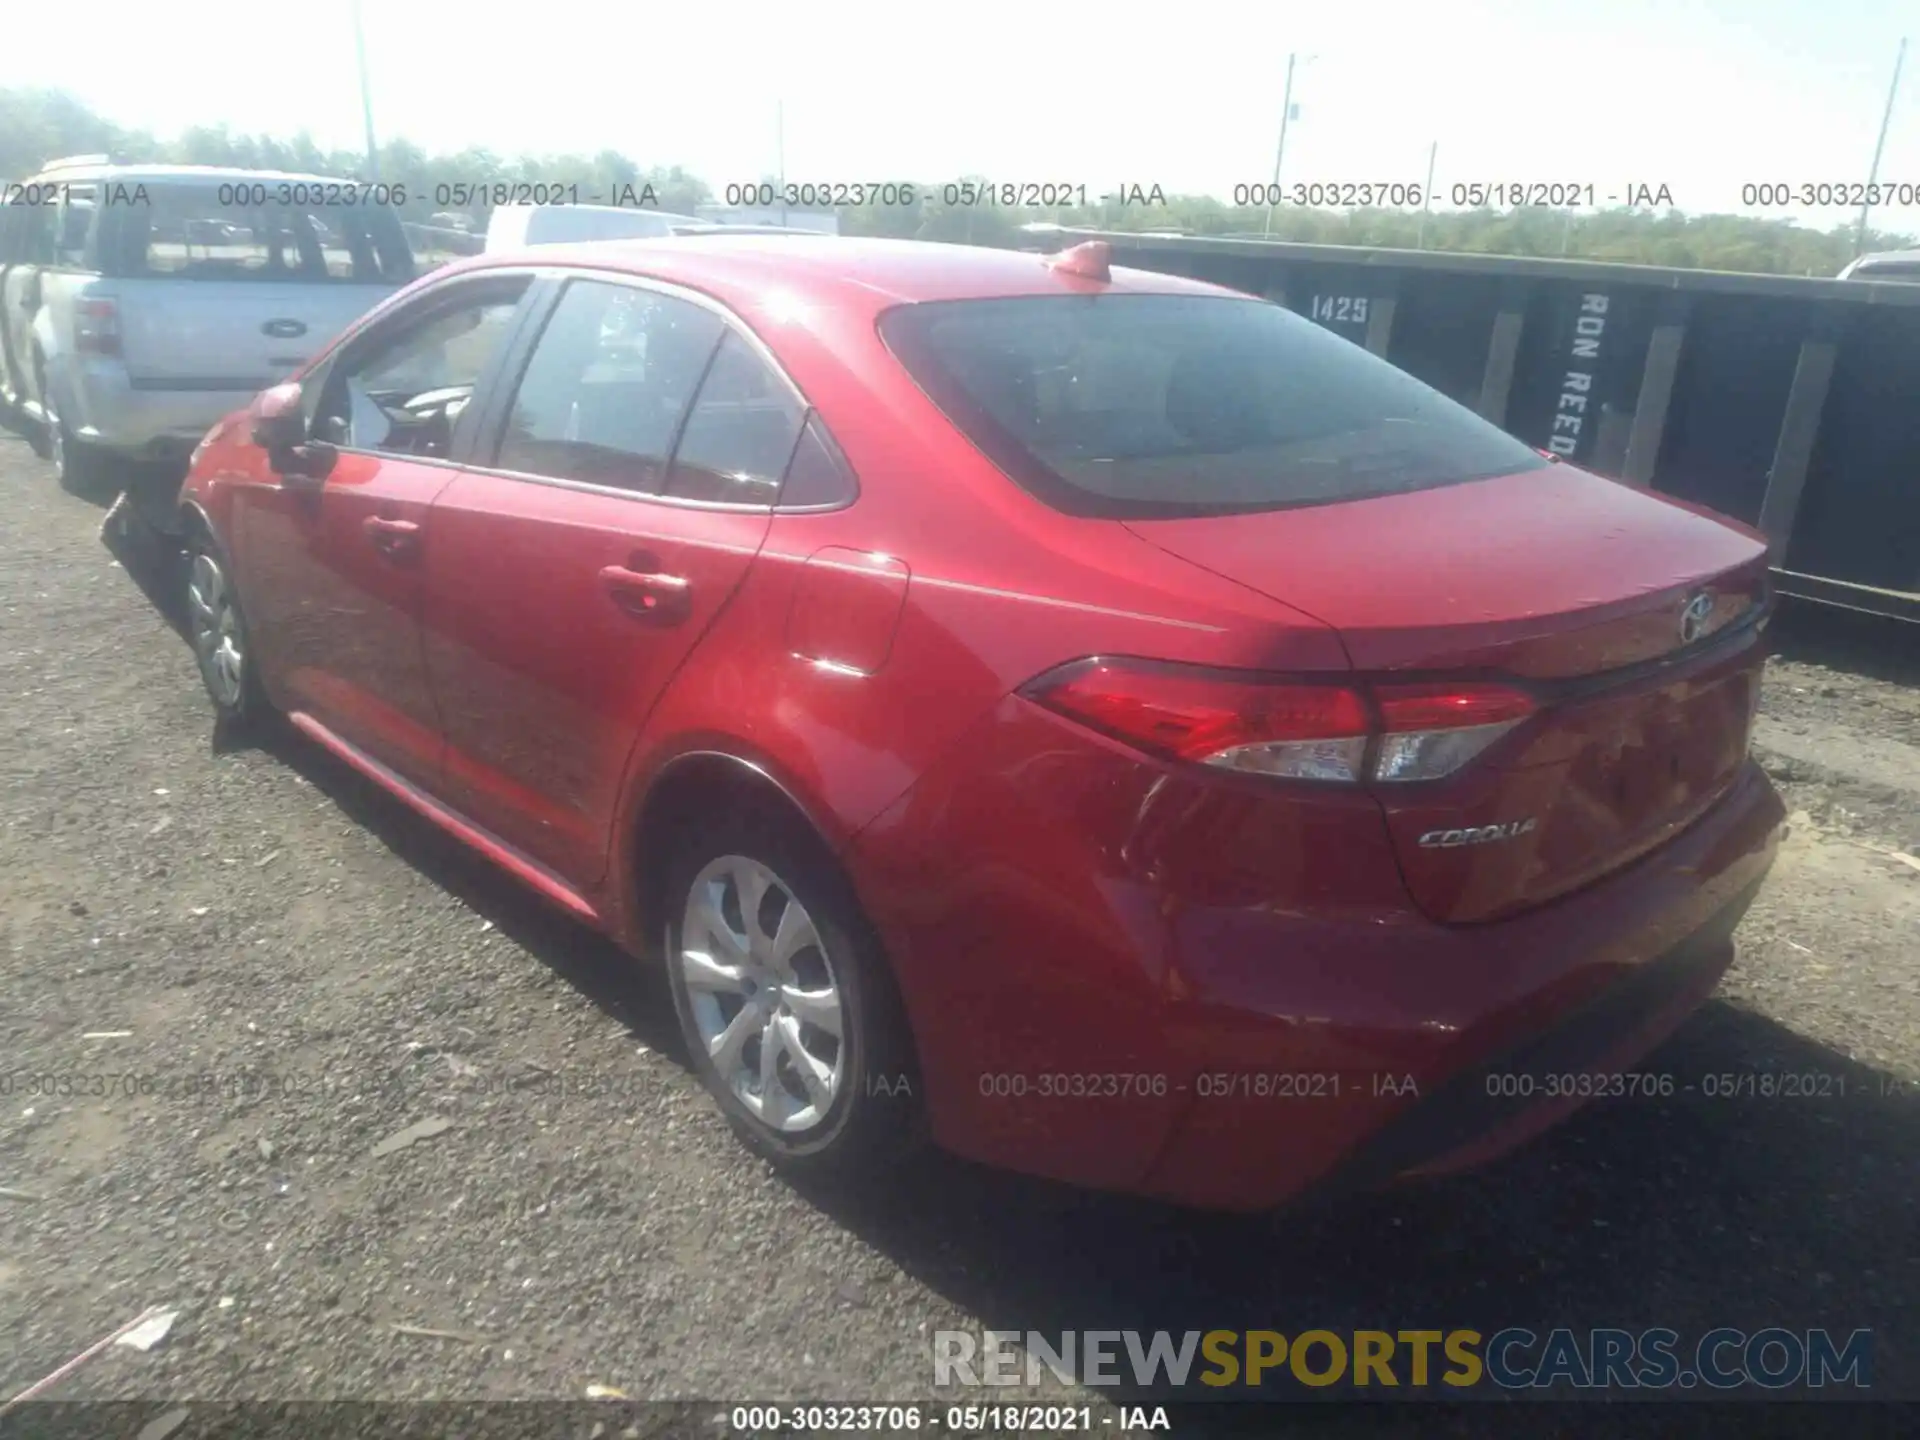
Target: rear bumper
(1515, 1025)
(108, 409)
(1123, 977)
(1495, 1106)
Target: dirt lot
(587, 1219)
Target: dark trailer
(1792, 404)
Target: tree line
(38, 125)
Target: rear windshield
(188, 233)
(1137, 406)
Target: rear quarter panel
(997, 589)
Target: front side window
(1143, 406)
(214, 233)
(403, 393)
(607, 386)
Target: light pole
(1426, 196)
(1280, 151)
(366, 92)
(1873, 175)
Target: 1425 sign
(1339, 309)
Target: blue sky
(1699, 95)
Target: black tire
(39, 438)
(81, 470)
(239, 701)
(875, 1118)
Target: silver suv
(140, 303)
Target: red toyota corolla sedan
(1103, 722)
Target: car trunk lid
(1628, 617)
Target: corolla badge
(284, 329)
(1476, 834)
(1694, 616)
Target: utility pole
(780, 152)
(1286, 114)
(366, 93)
(1873, 175)
(1426, 205)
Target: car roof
(725, 227)
(859, 273)
(1884, 257)
(185, 174)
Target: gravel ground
(585, 1217)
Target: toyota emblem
(1693, 617)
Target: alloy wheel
(764, 994)
(216, 633)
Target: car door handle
(661, 598)
(395, 537)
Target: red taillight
(1440, 707)
(96, 327)
(1432, 730)
(1301, 731)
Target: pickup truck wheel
(786, 1002)
(80, 469)
(39, 437)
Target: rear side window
(740, 433)
(817, 476)
(605, 389)
(211, 233)
(26, 234)
(75, 227)
(1142, 406)
(27, 231)
(13, 232)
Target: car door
(53, 303)
(332, 571)
(14, 240)
(29, 249)
(630, 482)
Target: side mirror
(279, 423)
(280, 428)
